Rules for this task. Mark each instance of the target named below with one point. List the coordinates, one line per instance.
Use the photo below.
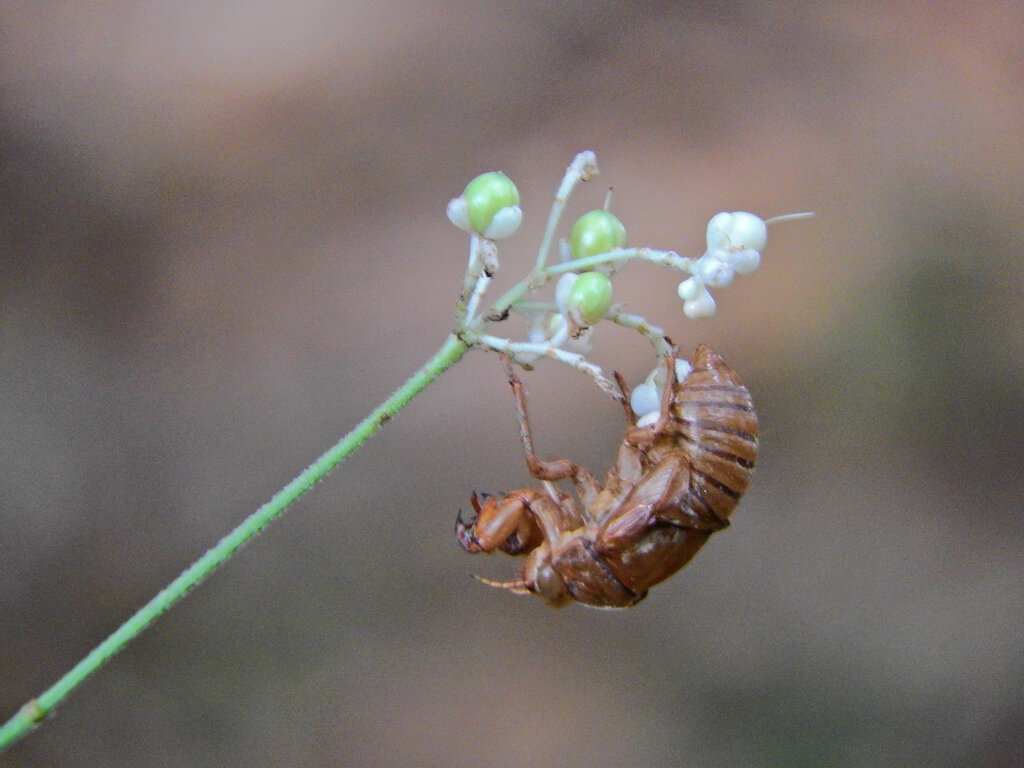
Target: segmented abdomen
(717, 427)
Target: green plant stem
(37, 709)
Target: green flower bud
(596, 232)
(487, 194)
(589, 298)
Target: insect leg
(504, 524)
(624, 389)
(558, 469)
(643, 435)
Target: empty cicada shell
(674, 483)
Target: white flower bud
(748, 231)
(723, 277)
(644, 399)
(736, 231)
(690, 288)
(745, 261)
(702, 305)
(714, 268)
(718, 230)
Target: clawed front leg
(515, 524)
(500, 524)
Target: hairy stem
(37, 709)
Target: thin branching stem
(37, 709)
(582, 168)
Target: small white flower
(690, 288)
(735, 242)
(644, 399)
(715, 268)
(697, 301)
(737, 231)
(701, 305)
(745, 261)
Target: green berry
(487, 194)
(589, 298)
(596, 232)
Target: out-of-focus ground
(222, 241)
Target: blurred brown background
(222, 241)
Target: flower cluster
(735, 242)
(592, 254)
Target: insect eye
(550, 586)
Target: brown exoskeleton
(674, 483)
